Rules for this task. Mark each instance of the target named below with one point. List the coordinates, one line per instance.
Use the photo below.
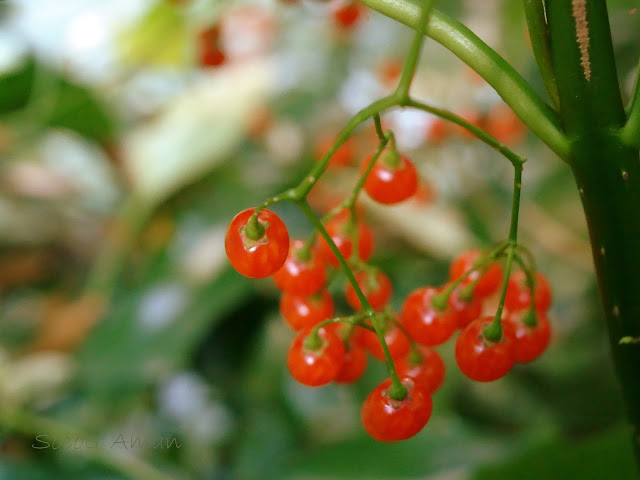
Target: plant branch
(514, 90)
(539, 34)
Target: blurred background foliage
(125, 153)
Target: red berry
(301, 276)
(340, 230)
(389, 420)
(438, 131)
(347, 15)
(464, 311)
(425, 324)
(519, 296)
(315, 366)
(257, 258)
(390, 183)
(305, 312)
(530, 341)
(396, 340)
(428, 368)
(489, 280)
(376, 288)
(209, 52)
(501, 123)
(481, 359)
(353, 365)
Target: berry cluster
(334, 349)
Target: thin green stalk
(494, 331)
(514, 90)
(398, 391)
(539, 34)
(481, 134)
(630, 133)
(402, 92)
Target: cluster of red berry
(328, 349)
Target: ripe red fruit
(519, 297)
(480, 359)
(354, 364)
(464, 311)
(315, 366)
(425, 324)
(347, 15)
(474, 118)
(397, 343)
(376, 288)
(209, 52)
(390, 183)
(305, 312)
(426, 368)
(530, 341)
(257, 258)
(489, 280)
(340, 230)
(389, 420)
(438, 131)
(299, 276)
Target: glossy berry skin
(305, 312)
(463, 311)
(316, 367)
(389, 420)
(376, 288)
(257, 258)
(354, 364)
(480, 359)
(390, 184)
(519, 297)
(396, 340)
(429, 371)
(338, 230)
(490, 279)
(530, 342)
(426, 325)
(301, 277)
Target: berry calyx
(256, 248)
(487, 280)
(389, 420)
(306, 311)
(481, 359)
(376, 287)
(530, 340)
(392, 179)
(341, 230)
(315, 357)
(425, 323)
(518, 295)
(303, 272)
(464, 310)
(425, 366)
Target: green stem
(398, 391)
(539, 34)
(514, 90)
(402, 92)
(494, 331)
(630, 133)
(481, 134)
(128, 465)
(607, 173)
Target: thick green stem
(630, 133)
(607, 173)
(514, 90)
